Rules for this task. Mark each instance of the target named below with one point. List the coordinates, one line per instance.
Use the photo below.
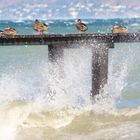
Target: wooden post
(99, 66)
(56, 68)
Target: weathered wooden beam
(99, 67)
(52, 39)
(68, 38)
(126, 37)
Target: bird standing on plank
(119, 29)
(40, 27)
(9, 31)
(81, 26)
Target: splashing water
(28, 112)
(7, 133)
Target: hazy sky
(6, 3)
(44, 9)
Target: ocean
(29, 112)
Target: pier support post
(99, 67)
(56, 68)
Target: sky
(68, 9)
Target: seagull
(119, 29)
(40, 27)
(81, 26)
(9, 31)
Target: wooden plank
(126, 37)
(52, 39)
(99, 67)
(69, 38)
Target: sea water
(27, 112)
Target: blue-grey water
(27, 112)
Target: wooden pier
(99, 44)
